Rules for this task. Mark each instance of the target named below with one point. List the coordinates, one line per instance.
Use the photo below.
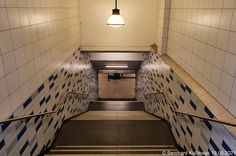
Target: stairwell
(114, 128)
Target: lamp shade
(115, 21)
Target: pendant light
(116, 20)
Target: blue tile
(226, 147)
(193, 148)
(2, 144)
(55, 77)
(27, 102)
(33, 149)
(57, 95)
(4, 126)
(189, 131)
(193, 105)
(188, 89)
(48, 98)
(40, 88)
(200, 149)
(208, 125)
(50, 122)
(51, 86)
(208, 112)
(24, 148)
(177, 132)
(181, 99)
(183, 130)
(39, 126)
(182, 87)
(214, 145)
(42, 101)
(55, 126)
(171, 77)
(22, 132)
(191, 119)
(50, 78)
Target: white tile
(219, 58)
(4, 25)
(5, 41)
(4, 90)
(213, 34)
(210, 54)
(226, 83)
(222, 39)
(13, 17)
(232, 106)
(207, 70)
(215, 18)
(11, 3)
(23, 74)
(226, 18)
(233, 24)
(17, 38)
(229, 4)
(230, 64)
(2, 73)
(233, 95)
(224, 99)
(20, 57)
(15, 99)
(9, 62)
(25, 91)
(217, 3)
(5, 110)
(216, 76)
(23, 17)
(231, 45)
(2, 3)
(12, 82)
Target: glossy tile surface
(115, 115)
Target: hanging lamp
(115, 20)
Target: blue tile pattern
(190, 133)
(30, 137)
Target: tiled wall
(190, 134)
(31, 137)
(202, 37)
(163, 14)
(36, 37)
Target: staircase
(114, 127)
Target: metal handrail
(42, 114)
(202, 118)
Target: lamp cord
(116, 4)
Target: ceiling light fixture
(122, 66)
(115, 20)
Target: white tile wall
(162, 22)
(36, 37)
(205, 31)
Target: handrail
(202, 118)
(41, 114)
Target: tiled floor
(115, 115)
(108, 155)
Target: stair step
(142, 149)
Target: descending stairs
(117, 127)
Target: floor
(115, 115)
(114, 129)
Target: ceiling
(131, 59)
